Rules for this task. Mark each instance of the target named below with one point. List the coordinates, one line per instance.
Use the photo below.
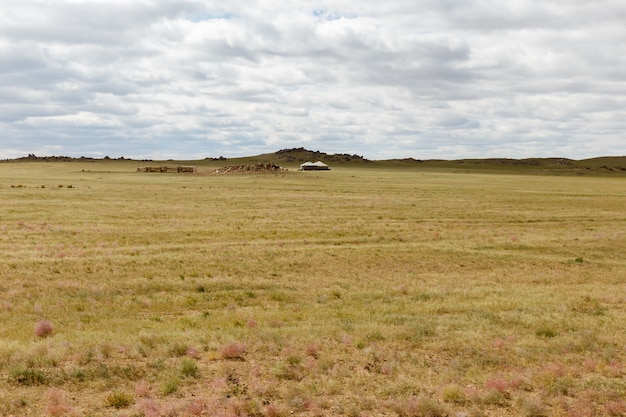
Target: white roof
(318, 164)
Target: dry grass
(353, 292)
(43, 328)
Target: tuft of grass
(422, 407)
(274, 410)
(495, 397)
(142, 389)
(56, 403)
(534, 407)
(150, 408)
(616, 408)
(43, 328)
(28, 376)
(546, 332)
(590, 306)
(178, 349)
(453, 394)
(233, 351)
(171, 385)
(189, 368)
(119, 399)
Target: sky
(428, 79)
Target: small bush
(534, 407)
(545, 331)
(313, 350)
(189, 368)
(590, 306)
(423, 407)
(453, 394)
(119, 400)
(150, 408)
(289, 372)
(375, 336)
(28, 376)
(274, 410)
(43, 328)
(560, 385)
(56, 403)
(233, 351)
(496, 397)
(171, 385)
(142, 389)
(178, 349)
(616, 408)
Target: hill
(556, 166)
(293, 157)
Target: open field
(354, 292)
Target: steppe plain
(391, 290)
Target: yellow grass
(351, 292)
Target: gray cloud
(428, 79)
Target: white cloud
(428, 79)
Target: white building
(314, 166)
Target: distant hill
(293, 157)
(304, 155)
(556, 166)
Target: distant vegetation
(291, 158)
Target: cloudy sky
(383, 79)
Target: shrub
(119, 399)
(590, 306)
(545, 331)
(313, 350)
(375, 336)
(534, 407)
(453, 394)
(423, 407)
(178, 349)
(189, 368)
(495, 397)
(273, 410)
(616, 408)
(287, 371)
(142, 389)
(43, 328)
(56, 403)
(501, 384)
(28, 376)
(149, 408)
(233, 351)
(171, 385)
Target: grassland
(354, 292)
